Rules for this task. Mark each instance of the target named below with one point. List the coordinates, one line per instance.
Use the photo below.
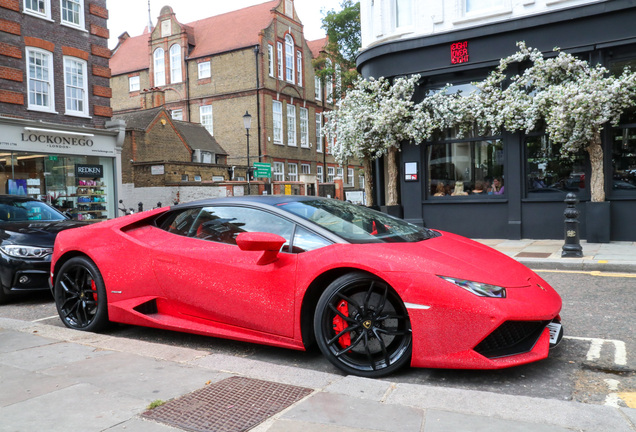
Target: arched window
(289, 58)
(160, 67)
(175, 63)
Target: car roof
(5, 198)
(270, 200)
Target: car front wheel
(80, 295)
(362, 326)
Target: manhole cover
(235, 404)
(533, 254)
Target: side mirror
(269, 243)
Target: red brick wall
(11, 74)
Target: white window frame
(350, 179)
(361, 181)
(204, 70)
(331, 174)
(290, 72)
(134, 83)
(291, 125)
(206, 117)
(177, 114)
(279, 52)
(292, 171)
(319, 132)
(277, 120)
(340, 173)
(278, 171)
(176, 75)
(485, 7)
(319, 175)
(75, 86)
(299, 67)
(317, 88)
(270, 59)
(39, 81)
(304, 127)
(305, 169)
(45, 12)
(403, 14)
(79, 13)
(159, 67)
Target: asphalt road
(595, 363)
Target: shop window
(624, 160)
(277, 109)
(160, 67)
(41, 8)
(468, 168)
(548, 175)
(204, 70)
(175, 64)
(75, 87)
(40, 79)
(73, 13)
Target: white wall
(150, 196)
(428, 17)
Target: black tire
(362, 326)
(80, 295)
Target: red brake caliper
(94, 289)
(339, 324)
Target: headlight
(478, 288)
(18, 251)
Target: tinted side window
(178, 222)
(223, 224)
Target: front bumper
(18, 275)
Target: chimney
(153, 98)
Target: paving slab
(11, 341)
(81, 407)
(364, 388)
(445, 421)
(298, 426)
(334, 409)
(50, 355)
(18, 385)
(142, 425)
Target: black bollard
(572, 247)
(140, 207)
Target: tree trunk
(392, 181)
(367, 164)
(597, 180)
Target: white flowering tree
(373, 119)
(572, 100)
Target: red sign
(459, 52)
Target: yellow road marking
(590, 273)
(629, 399)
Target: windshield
(357, 224)
(22, 211)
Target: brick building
(55, 102)
(214, 70)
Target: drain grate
(235, 404)
(533, 254)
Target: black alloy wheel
(80, 295)
(362, 326)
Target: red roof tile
(217, 34)
(316, 46)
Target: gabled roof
(195, 135)
(213, 35)
(316, 46)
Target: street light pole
(247, 122)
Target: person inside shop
(497, 186)
(479, 189)
(459, 189)
(441, 189)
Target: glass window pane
(624, 161)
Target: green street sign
(262, 169)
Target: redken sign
(93, 171)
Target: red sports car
(374, 292)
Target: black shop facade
(511, 185)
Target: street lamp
(247, 122)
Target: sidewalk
(546, 255)
(56, 379)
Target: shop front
(72, 168)
(512, 185)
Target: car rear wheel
(80, 295)
(362, 326)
